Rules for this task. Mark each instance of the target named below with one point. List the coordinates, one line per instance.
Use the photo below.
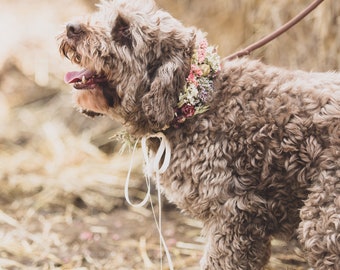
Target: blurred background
(62, 203)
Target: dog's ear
(168, 77)
(121, 32)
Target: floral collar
(205, 64)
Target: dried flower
(202, 51)
(205, 64)
(205, 68)
(203, 95)
(188, 110)
(192, 78)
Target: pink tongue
(76, 76)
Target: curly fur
(263, 162)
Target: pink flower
(202, 51)
(188, 110)
(192, 78)
(204, 44)
(195, 72)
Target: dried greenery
(61, 176)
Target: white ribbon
(153, 166)
(127, 183)
(153, 162)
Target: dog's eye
(77, 59)
(91, 114)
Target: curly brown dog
(255, 149)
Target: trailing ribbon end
(153, 166)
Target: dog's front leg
(238, 243)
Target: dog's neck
(205, 64)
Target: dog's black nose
(73, 30)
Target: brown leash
(276, 33)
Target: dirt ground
(62, 177)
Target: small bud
(205, 69)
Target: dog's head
(134, 59)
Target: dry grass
(61, 177)
(312, 44)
